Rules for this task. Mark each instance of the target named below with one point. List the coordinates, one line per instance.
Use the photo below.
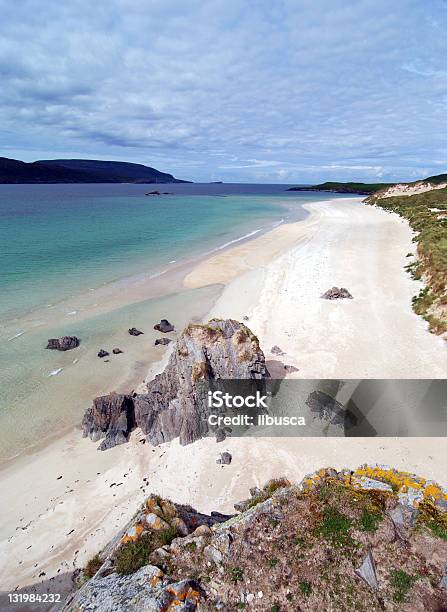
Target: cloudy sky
(233, 90)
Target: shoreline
(100, 491)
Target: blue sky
(234, 90)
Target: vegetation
(360, 188)
(369, 521)
(401, 583)
(93, 566)
(305, 588)
(135, 554)
(427, 215)
(335, 527)
(236, 574)
(272, 486)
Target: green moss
(369, 521)
(236, 574)
(305, 588)
(273, 562)
(335, 528)
(401, 583)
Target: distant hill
(80, 171)
(367, 188)
(336, 187)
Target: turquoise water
(57, 240)
(82, 260)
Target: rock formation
(110, 417)
(65, 343)
(336, 293)
(164, 326)
(133, 331)
(174, 404)
(328, 543)
(162, 341)
(117, 351)
(103, 353)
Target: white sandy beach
(52, 524)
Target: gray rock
(337, 294)
(367, 571)
(404, 518)
(162, 341)
(110, 417)
(443, 582)
(133, 331)
(368, 484)
(146, 590)
(225, 458)
(66, 343)
(175, 403)
(220, 434)
(164, 326)
(117, 351)
(213, 554)
(103, 353)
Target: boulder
(66, 343)
(164, 326)
(224, 459)
(102, 353)
(162, 341)
(175, 405)
(133, 331)
(336, 293)
(110, 417)
(117, 351)
(367, 571)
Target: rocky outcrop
(336, 293)
(65, 343)
(327, 543)
(110, 417)
(164, 326)
(174, 405)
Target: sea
(94, 260)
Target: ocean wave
(55, 372)
(230, 242)
(16, 336)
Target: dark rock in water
(110, 417)
(162, 341)
(102, 353)
(155, 192)
(63, 344)
(133, 331)
(337, 294)
(275, 350)
(175, 405)
(225, 458)
(117, 351)
(164, 326)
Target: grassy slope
(430, 227)
(337, 187)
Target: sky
(283, 91)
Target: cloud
(290, 90)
